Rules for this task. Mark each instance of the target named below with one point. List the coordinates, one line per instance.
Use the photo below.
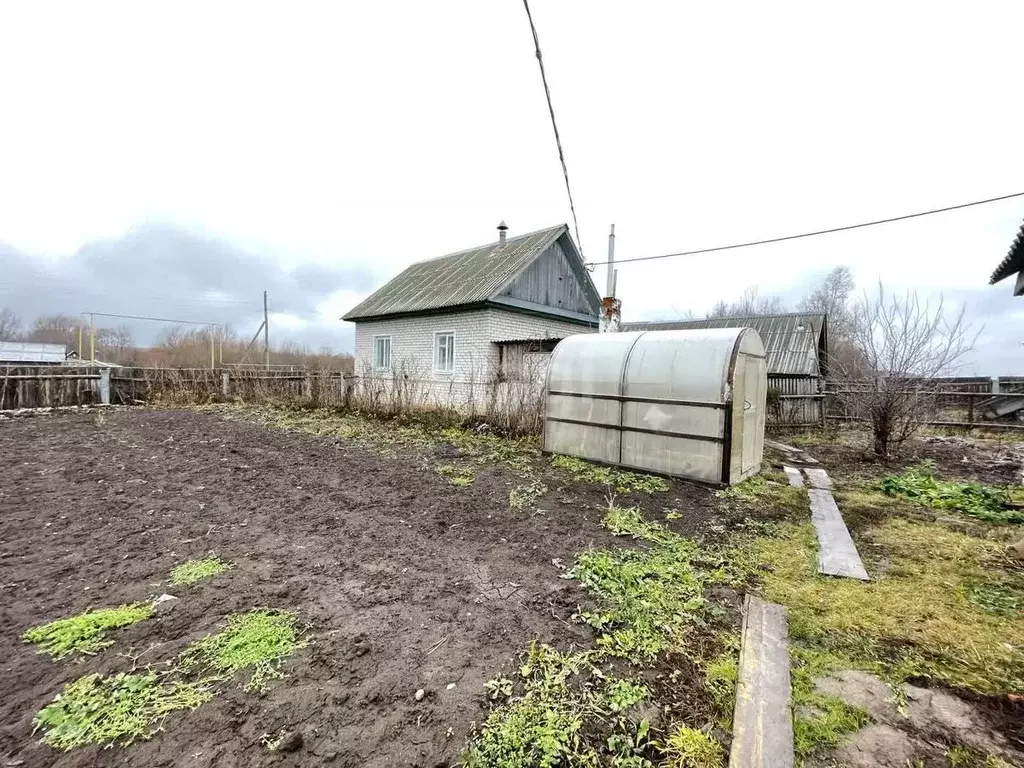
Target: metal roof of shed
(1014, 260)
(465, 277)
(31, 352)
(791, 340)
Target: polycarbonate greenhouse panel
(685, 403)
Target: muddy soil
(956, 458)
(405, 581)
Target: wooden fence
(50, 386)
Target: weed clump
(984, 502)
(196, 570)
(120, 709)
(619, 480)
(650, 597)
(547, 723)
(259, 640)
(86, 632)
(690, 748)
(460, 477)
(526, 496)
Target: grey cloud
(165, 271)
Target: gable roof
(792, 341)
(473, 276)
(1014, 261)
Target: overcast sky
(177, 158)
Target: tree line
(175, 347)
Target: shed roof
(31, 352)
(791, 340)
(466, 277)
(1014, 261)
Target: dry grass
(917, 618)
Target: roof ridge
(485, 245)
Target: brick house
(457, 329)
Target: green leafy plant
(984, 502)
(114, 710)
(619, 480)
(526, 496)
(499, 688)
(196, 570)
(460, 477)
(86, 632)
(649, 597)
(563, 700)
(257, 642)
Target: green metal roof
(792, 340)
(466, 277)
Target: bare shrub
(900, 346)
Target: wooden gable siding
(551, 281)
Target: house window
(444, 351)
(381, 352)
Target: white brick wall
(476, 354)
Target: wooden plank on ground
(793, 475)
(819, 478)
(837, 554)
(762, 731)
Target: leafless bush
(901, 346)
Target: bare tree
(750, 303)
(902, 345)
(832, 297)
(10, 325)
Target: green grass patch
(690, 748)
(526, 496)
(820, 721)
(915, 619)
(196, 570)
(563, 710)
(256, 642)
(650, 597)
(566, 708)
(920, 485)
(619, 480)
(86, 632)
(460, 477)
(112, 710)
(768, 493)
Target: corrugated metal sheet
(466, 277)
(791, 340)
(31, 352)
(1014, 261)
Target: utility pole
(92, 339)
(266, 334)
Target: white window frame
(386, 363)
(436, 349)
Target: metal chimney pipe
(610, 287)
(502, 229)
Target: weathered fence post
(225, 384)
(105, 386)
(307, 385)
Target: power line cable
(554, 125)
(810, 234)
